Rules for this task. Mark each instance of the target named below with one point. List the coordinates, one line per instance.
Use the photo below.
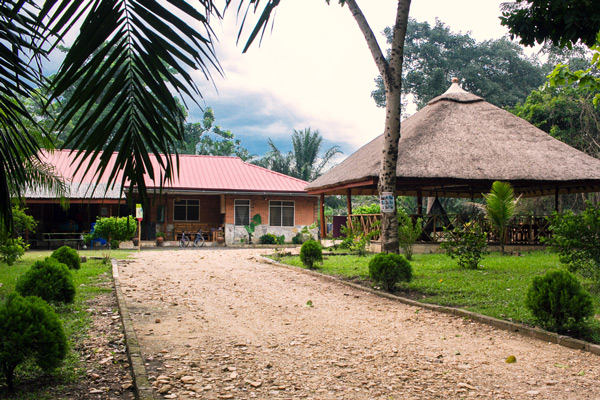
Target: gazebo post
(556, 206)
(322, 216)
(419, 203)
(349, 205)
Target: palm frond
(137, 52)
(20, 55)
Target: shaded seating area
(457, 146)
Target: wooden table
(64, 238)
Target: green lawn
(94, 277)
(497, 289)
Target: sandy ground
(218, 324)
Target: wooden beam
(349, 205)
(322, 216)
(331, 189)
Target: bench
(71, 239)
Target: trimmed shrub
(12, 250)
(67, 256)
(267, 238)
(558, 301)
(575, 239)
(49, 279)
(389, 269)
(29, 329)
(311, 253)
(467, 243)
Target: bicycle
(185, 240)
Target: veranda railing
(522, 230)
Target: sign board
(139, 212)
(386, 202)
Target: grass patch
(497, 290)
(93, 278)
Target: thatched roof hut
(457, 146)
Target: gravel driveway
(218, 324)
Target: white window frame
(235, 210)
(186, 210)
(293, 207)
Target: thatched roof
(457, 146)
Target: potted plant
(135, 241)
(160, 238)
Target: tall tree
(305, 161)
(564, 23)
(391, 71)
(496, 70)
(207, 138)
(566, 113)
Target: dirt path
(218, 324)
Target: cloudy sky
(315, 70)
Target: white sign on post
(386, 202)
(139, 212)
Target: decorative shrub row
(50, 280)
(311, 253)
(388, 269)
(29, 329)
(559, 302)
(67, 256)
(270, 238)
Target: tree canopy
(496, 70)
(566, 113)
(305, 161)
(207, 138)
(563, 22)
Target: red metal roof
(196, 173)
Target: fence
(522, 229)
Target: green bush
(388, 269)
(49, 279)
(575, 238)
(12, 250)
(118, 229)
(67, 256)
(298, 238)
(311, 253)
(267, 238)
(29, 329)
(558, 301)
(408, 232)
(467, 243)
(281, 239)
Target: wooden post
(349, 205)
(139, 234)
(419, 203)
(322, 216)
(556, 207)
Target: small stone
(551, 383)
(157, 320)
(170, 396)
(233, 375)
(94, 376)
(96, 391)
(188, 379)
(463, 385)
(253, 383)
(165, 389)
(532, 392)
